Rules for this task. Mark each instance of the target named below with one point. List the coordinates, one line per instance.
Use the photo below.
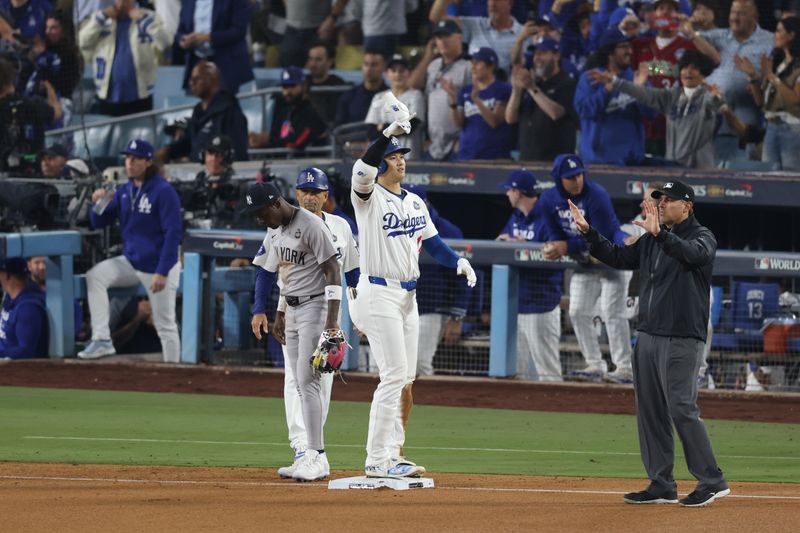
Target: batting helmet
(566, 166)
(394, 146)
(312, 178)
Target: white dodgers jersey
(391, 229)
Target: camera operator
(210, 200)
(23, 121)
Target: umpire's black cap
(677, 190)
(259, 195)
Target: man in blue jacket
(539, 318)
(612, 130)
(23, 318)
(149, 214)
(215, 31)
(592, 285)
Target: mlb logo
(762, 263)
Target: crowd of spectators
(490, 79)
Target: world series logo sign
(785, 264)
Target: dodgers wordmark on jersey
(391, 230)
(295, 251)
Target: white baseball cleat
(397, 469)
(97, 349)
(288, 471)
(313, 467)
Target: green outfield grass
(76, 426)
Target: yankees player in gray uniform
(677, 254)
(312, 190)
(302, 254)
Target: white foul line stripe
(434, 448)
(324, 486)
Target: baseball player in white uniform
(312, 191)
(393, 225)
(301, 253)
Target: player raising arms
(393, 225)
(301, 252)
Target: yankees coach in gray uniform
(301, 252)
(676, 258)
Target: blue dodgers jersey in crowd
(539, 288)
(612, 130)
(23, 325)
(595, 205)
(479, 140)
(440, 289)
(150, 223)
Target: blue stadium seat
(95, 143)
(169, 82)
(254, 111)
(140, 128)
(751, 303)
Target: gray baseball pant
(303, 329)
(665, 385)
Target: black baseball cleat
(701, 498)
(646, 497)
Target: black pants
(665, 385)
(103, 107)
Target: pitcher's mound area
(86, 498)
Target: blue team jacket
(151, 228)
(612, 130)
(594, 202)
(539, 288)
(23, 325)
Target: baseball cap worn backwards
(522, 180)
(677, 190)
(259, 195)
(139, 148)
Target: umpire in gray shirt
(676, 258)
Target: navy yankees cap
(522, 180)
(14, 265)
(677, 190)
(139, 148)
(312, 178)
(292, 76)
(567, 166)
(259, 195)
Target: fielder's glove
(463, 268)
(329, 355)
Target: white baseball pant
(609, 289)
(431, 329)
(538, 337)
(118, 272)
(303, 328)
(388, 316)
